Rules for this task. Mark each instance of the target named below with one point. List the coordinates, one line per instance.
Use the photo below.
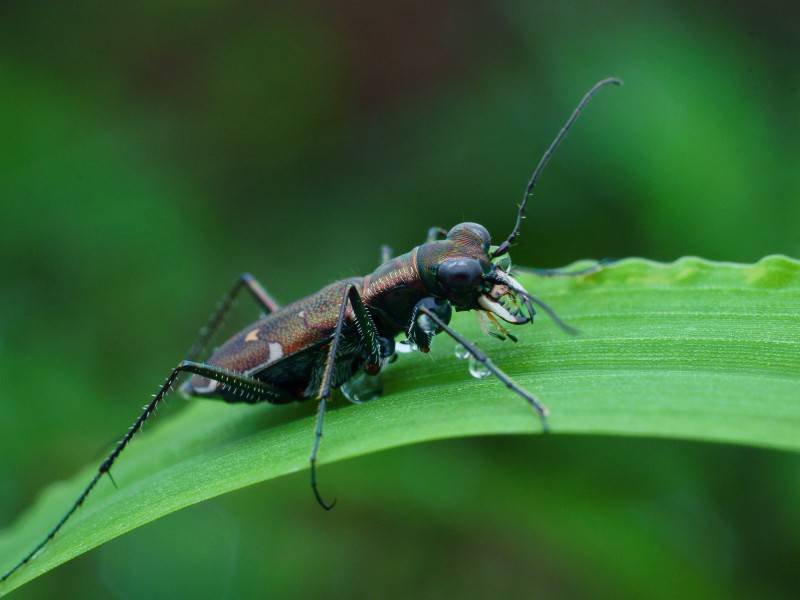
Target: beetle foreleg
(420, 329)
(487, 362)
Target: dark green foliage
(153, 151)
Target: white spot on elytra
(275, 352)
(252, 336)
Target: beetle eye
(460, 274)
(474, 231)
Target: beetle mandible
(343, 335)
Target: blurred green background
(152, 151)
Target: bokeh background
(151, 151)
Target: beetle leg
(313, 459)
(487, 362)
(323, 395)
(420, 329)
(247, 385)
(249, 389)
(369, 333)
(435, 233)
(367, 330)
(258, 293)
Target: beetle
(343, 335)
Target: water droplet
(362, 388)
(478, 370)
(405, 347)
(461, 352)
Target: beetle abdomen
(284, 348)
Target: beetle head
(465, 271)
(460, 269)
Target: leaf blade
(691, 349)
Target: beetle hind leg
(247, 387)
(374, 350)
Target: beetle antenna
(503, 248)
(566, 328)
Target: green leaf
(692, 349)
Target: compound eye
(473, 230)
(460, 274)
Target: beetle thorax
(392, 291)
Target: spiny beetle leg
(420, 333)
(366, 329)
(247, 385)
(486, 362)
(250, 389)
(217, 318)
(369, 333)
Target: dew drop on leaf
(362, 388)
(478, 370)
(461, 352)
(405, 347)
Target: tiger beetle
(343, 335)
